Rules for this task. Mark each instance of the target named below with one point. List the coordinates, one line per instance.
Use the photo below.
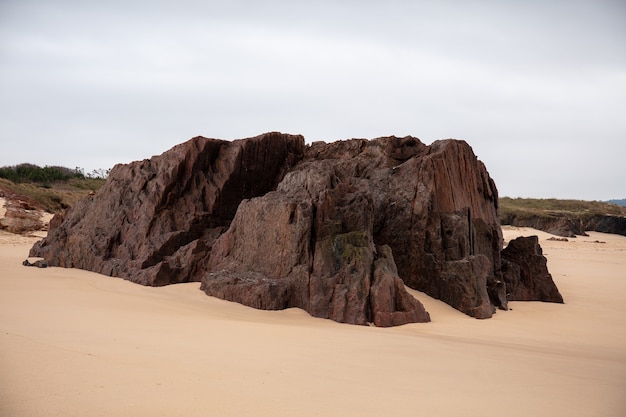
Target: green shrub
(23, 173)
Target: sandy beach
(75, 343)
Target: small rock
(42, 263)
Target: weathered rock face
(560, 224)
(570, 225)
(337, 229)
(310, 244)
(324, 233)
(391, 304)
(606, 224)
(18, 215)
(154, 221)
(525, 272)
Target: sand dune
(74, 343)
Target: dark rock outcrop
(525, 272)
(38, 263)
(606, 224)
(569, 224)
(154, 221)
(560, 224)
(433, 207)
(337, 229)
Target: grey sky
(538, 88)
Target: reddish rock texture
(154, 221)
(337, 229)
(17, 215)
(525, 272)
(320, 232)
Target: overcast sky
(537, 88)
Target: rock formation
(525, 272)
(569, 224)
(155, 220)
(337, 229)
(38, 263)
(606, 224)
(312, 242)
(18, 215)
(560, 224)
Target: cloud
(98, 83)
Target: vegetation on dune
(33, 173)
(53, 198)
(51, 188)
(24, 173)
(552, 207)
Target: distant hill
(563, 217)
(621, 202)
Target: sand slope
(74, 343)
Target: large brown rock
(154, 221)
(525, 272)
(309, 246)
(319, 235)
(337, 229)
